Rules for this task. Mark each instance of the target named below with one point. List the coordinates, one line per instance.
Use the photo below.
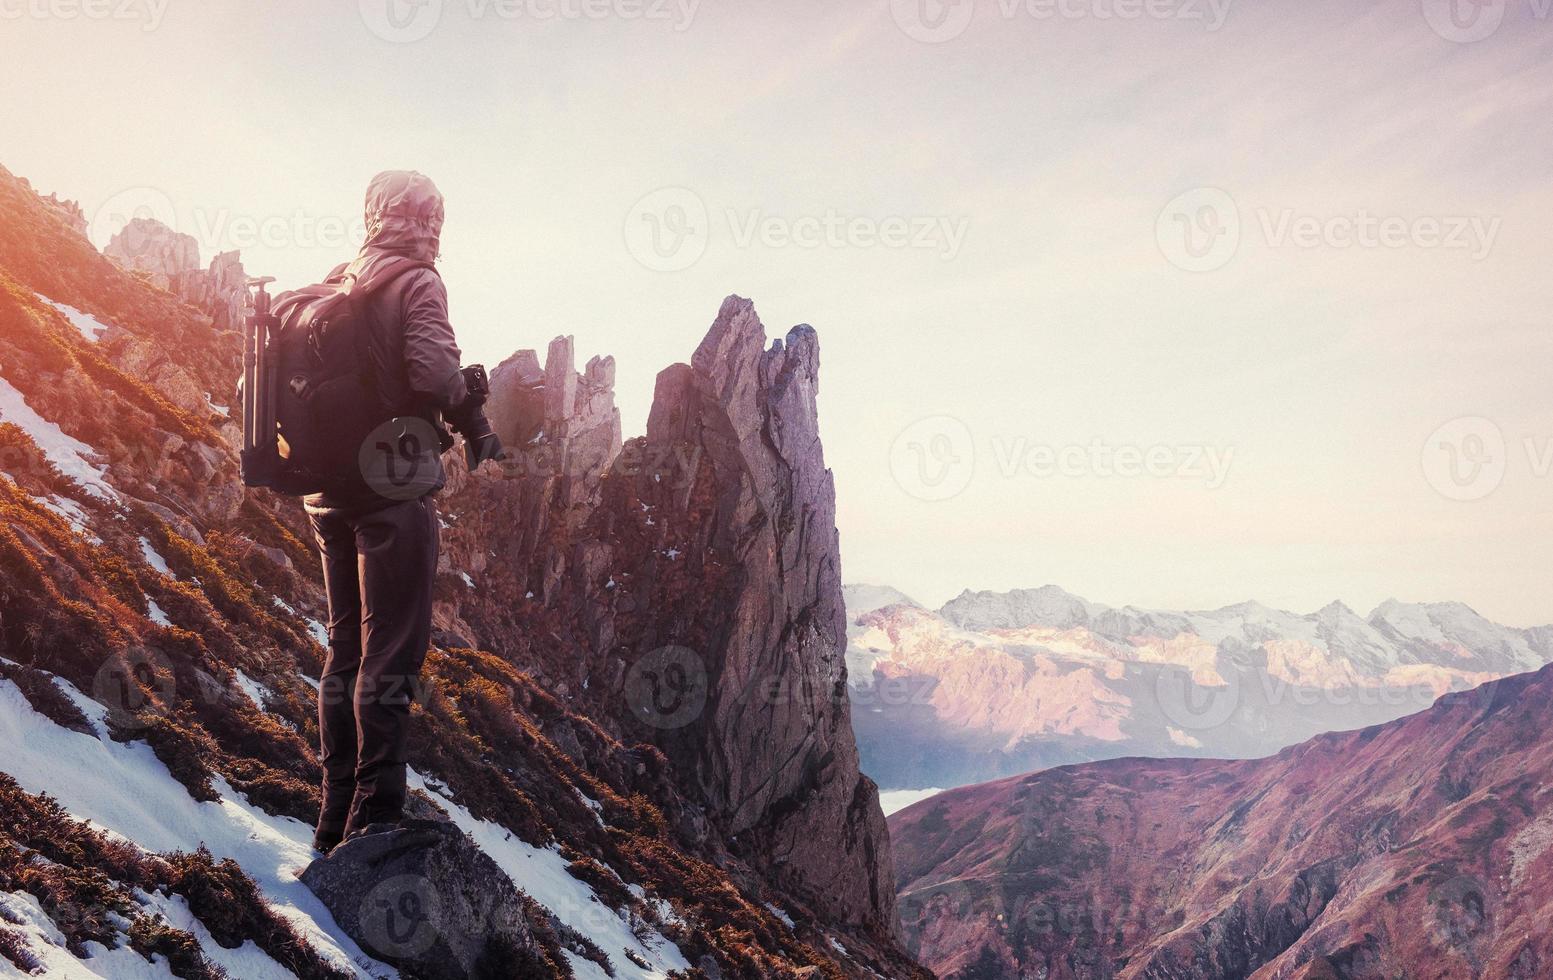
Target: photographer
(379, 535)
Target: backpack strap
(366, 325)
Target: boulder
(422, 897)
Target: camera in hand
(468, 419)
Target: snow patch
(246, 961)
(73, 513)
(125, 790)
(154, 558)
(70, 456)
(591, 803)
(47, 943)
(320, 632)
(256, 692)
(1529, 844)
(900, 799)
(541, 874)
(861, 599)
(91, 328)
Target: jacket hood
(404, 216)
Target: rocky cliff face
(634, 705)
(690, 592)
(170, 261)
(1419, 848)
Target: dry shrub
(46, 697)
(152, 936)
(185, 750)
(13, 946)
(228, 903)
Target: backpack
(319, 382)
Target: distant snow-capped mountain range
(995, 684)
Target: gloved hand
(468, 420)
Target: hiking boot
(375, 827)
(327, 840)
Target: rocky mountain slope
(995, 684)
(635, 707)
(1418, 849)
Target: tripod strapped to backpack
(261, 447)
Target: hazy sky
(1164, 302)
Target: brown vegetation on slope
(76, 603)
(1417, 848)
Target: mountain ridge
(1420, 847)
(1058, 592)
(995, 684)
(159, 626)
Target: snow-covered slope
(998, 683)
(159, 627)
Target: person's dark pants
(378, 569)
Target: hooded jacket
(418, 357)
